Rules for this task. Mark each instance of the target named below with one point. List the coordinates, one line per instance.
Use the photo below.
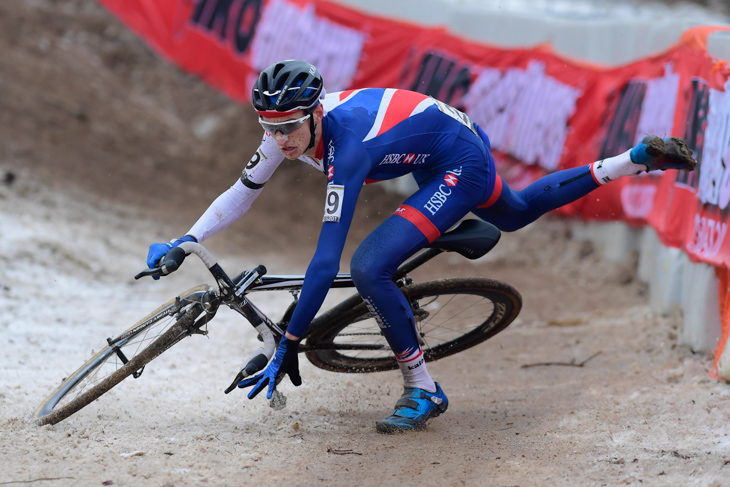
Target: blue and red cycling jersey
(371, 135)
(391, 133)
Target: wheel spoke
(93, 378)
(450, 317)
(113, 363)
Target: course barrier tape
(541, 111)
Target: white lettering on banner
(637, 201)
(286, 31)
(707, 237)
(723, 196)
(657, 109)
(524, 112)
(713, 178)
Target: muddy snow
(102, 153)
(639, 410)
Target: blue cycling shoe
(661, 154)
(413, 409)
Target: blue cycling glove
(285, 361)
(158, 251)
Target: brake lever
(239, 378)
(168, 264)
(256, 364)
(157, 271)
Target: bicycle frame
(233, 293)
(471, 238)
(361, 348)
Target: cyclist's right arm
(236, 201)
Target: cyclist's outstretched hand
(285, 361)
(158, 250)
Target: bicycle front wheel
(451, 315)
(125, 356)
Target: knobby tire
(329, 334)
(167, 339)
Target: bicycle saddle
(470, 238)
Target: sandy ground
(641, 411)
(104, 149)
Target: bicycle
(451, 315)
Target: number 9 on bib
(333, 205)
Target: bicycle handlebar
(172, 261)
(175, 257)
(200, 251)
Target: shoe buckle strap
(406, 402)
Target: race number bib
(456, 115)
(333, 205)
(257, 157)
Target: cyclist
(360, 136)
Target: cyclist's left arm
(350, 169)
(236, 201)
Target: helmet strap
(312, 126)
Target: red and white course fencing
(542, 112)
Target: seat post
(415, 262)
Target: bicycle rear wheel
(130, 352)
(451, 315)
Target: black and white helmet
(287, 86)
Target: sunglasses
(284, 127)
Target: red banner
(541, 112)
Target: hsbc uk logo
(404, 159)
(330, 160)
(330, 153)
(434, 204)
